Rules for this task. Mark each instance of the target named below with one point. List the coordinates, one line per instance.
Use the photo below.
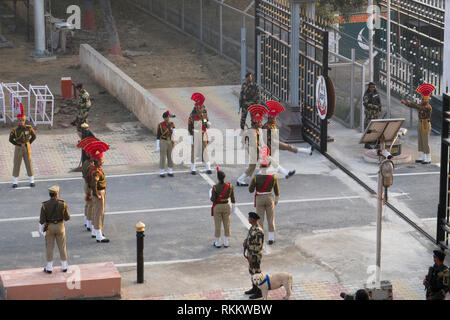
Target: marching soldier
(249, 96)
(273, 136)
(53, 214)
(165, 144)
(372, 106)
(424, 124)
(253, 244)
(220, 210)
(22, 137)
(97, 183)
(254, 142)
(437, 281)
(84, 105)
(198, 123)
(263, 184)
(84, 132)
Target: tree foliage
(328, 8)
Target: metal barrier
(42, 101)
(16, 95)
(2, 105)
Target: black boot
(252, 290)
(257, 295)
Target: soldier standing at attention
(249, 96)
(253, 245)
(263, 184)
(372, 104)
(22, 137)
(53, 214)
(436, 282)
(220, 210)
(86, 168)
(84, 105)
(198, 123)
(165, 144)
(424, 124)
(97, 183)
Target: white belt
(260, 193)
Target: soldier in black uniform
(436, 282)
(249, 96)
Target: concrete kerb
(121, 86)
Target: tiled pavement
(411, 289)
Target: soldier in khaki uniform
(220, 195)
(165, 144)
(22, 137)
(424, 124)
(53, 214)
(86, 167)
(263, 184)
(97, 183)
(253, 244)
(249, 96)
(198, 124)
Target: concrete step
(94, 280)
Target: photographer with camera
(361, 294)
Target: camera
(346, 296)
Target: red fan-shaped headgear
(83, 143)
(274, 108)
(257, 111)
(22, 113)
(198, 98)
(264, 154)
(425, 89)
(96, 149)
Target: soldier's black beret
(439, 254)
(79, 86)
(253, 215)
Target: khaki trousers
(56, 231)
(88, 204)
(251, 168)
(25, 154)
(165, 152)
(222, 213)
(265, 206)
(287, 147)
(423, 135)
(98, 209)
(204, 156)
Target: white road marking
(238, 212)
(80, 178)
(408, 174)
(154, 263)
(35, 234)
(429, 219)
(22, 188)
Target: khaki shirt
(254, 144)
(165, 131)
(22, 135)
(86, 169)
(259, 181)
(217, 191)
(424, 111)
(54, 210)
(97, 180)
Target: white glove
(210, 193)
(208, 124)
(277, 198)
(233, 208)
(191, 139)
(41, 230)
(157, 145)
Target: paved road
(177, 213)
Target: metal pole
(39, 28)
(258, 63)
(244, 55)
(182, 15)
(140, 228)
(221, 29)
(295, 39)
(362, 99)
(446, 56)
(388, 60)
(352, 83)
(443, 184)
(379, 218)
(371, 41)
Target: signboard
(321, 97)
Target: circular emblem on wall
(321, 97)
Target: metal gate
(443, 222)
(276, 75)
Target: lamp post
(140, 228)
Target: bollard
(140, 228)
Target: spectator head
(79, 86)
(249, 76)
(361, 294)
(439, 256)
